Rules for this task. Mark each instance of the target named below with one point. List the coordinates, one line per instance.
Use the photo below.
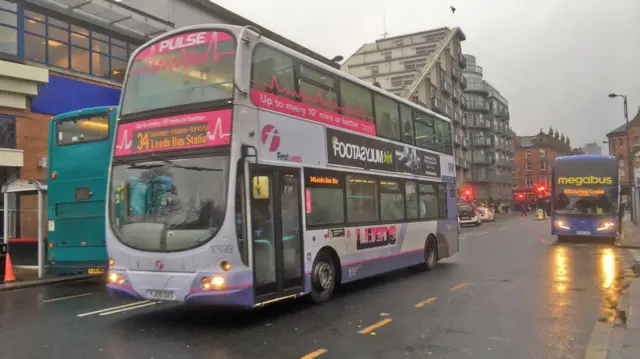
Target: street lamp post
(630, 169)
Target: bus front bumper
(182, 287)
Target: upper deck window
(86, 129)
(188, 68)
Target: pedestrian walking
(524, 211)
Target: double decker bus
(79, 153)
(586, 197)
(281, 175)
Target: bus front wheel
(323, 278)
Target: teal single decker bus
(79, 152)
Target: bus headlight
(561, 224)
(115, 278)
(216, 282)
(606, 225)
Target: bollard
(540, 214)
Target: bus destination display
(173, 137)
(206, 129)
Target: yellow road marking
(67, 297)
(113, 308)
(314, 354)
(598, 346)
(425, 302)
(371, 328)
(129, 308)
(461, 285)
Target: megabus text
(585, 180)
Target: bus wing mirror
(260, 187)
(248, 151)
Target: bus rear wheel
(323, 278)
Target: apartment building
(424, 67)
(485, 126)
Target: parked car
(486, 215)
(468, 215)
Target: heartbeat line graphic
(218, 131)
(317, 99)
(125, 144)
(184, 59)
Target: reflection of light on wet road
(608, 268)
(561, 272)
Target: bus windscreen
(187, 68)
(586, 187)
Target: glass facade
(44, 38)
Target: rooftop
(635, 122)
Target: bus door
(276, 232)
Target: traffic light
(520, 196)
(541, 189)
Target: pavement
(625, 342)
(511, 292)
(26, 278)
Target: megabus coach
(586, 197)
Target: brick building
(618, 146)
(533, 160)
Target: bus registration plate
(583, 233)
(95, 271)
(161, 294)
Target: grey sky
(554, 60)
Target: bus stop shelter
(29, 245)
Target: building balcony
(478, 87)
(448, 111)
(455, 74)
(457, 140)
(480, 160)
(478, 105)
(437, 105)
(500, 128)
(456, 95)
(464, 103)
(463, 82)
(457, 117)
(462, 163)
(446, 87)
(465, 142)
(463, 61)
(482, 125)
(503, 114)
(482, 142)
(474, 68)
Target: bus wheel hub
(323, 275)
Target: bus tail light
(53, 175)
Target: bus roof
(85, 111)
(585, 158)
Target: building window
(620, 141)
(61, 44)
(542, 153)
(636, 140)
(528, 166)
(387, 55)
(398, 42)
(7, 131)
(528, 154)
(375, 70)
(8, 28)
(543, 165)
(528, 182)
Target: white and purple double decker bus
(281, 176)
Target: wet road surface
(512, 292)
